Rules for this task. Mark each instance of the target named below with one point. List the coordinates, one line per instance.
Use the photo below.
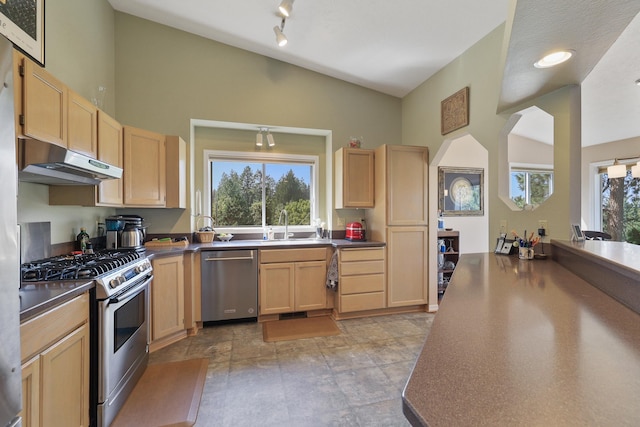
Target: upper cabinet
(354, 178)
(51, 112)
(110, 150)
(82, 125)
(144, 168)
(43, 112)
(401, 185)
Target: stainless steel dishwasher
(229, 285)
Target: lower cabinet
(167, 301)
(361, 284)
(292, 280)
(55, 366)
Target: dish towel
(332, 272)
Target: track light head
(281, 39)
(285, 7)
(270, 139)
(259, 139)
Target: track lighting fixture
(285, 8)
(281, 39)
(270, 141)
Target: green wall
(166, 77)
(480, 68)
(80, 51)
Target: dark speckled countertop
(519, 342)
(36, 298)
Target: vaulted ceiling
(393, 47)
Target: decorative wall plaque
(455, 111)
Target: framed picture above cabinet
(460, 191)
(22, 22)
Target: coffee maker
(125, 232)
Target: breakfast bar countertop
(526, 342)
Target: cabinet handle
(229, 259)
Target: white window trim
(209, 155)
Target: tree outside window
(530, 187)
(620, 201)
(252, 194)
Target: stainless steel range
(121, 316)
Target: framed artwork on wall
(22, 22)
(454, 111)
(461, 191)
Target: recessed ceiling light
(554, 59)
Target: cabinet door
(110, 151)
(407, 185)
(82, 125)
(310, 291)
(65, 380)
(167, 297)
(354, 178)
(31, 393)
(44, 105)
(144, 168)
(276, 288)
(407, 266)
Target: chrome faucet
(286, 223)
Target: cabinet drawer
(360, 302)
(364, 254)
(362, 267)
(42, 331)
(293, 255)
(362, 283)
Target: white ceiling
(393, 47)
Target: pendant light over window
(618, 170)
(259, 137)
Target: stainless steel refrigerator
(10, 372)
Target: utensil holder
(525, 253)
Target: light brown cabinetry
(43, 115)
(354, 180)
(82, 125)
(55, 369)
(407, 266)
(144, 168)
(292, 280)
(361, 284)
(167, 301)
(108, 192)
(400, 219)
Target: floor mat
(293, 329)
(168, 394)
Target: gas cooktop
(87, 266)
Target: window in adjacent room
(249, 190)
(530, 187)
(620, 206)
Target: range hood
(44, 163)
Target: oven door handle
(131, 293)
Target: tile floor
(352, 379)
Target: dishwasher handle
(235, 258)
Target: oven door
(123, 329)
